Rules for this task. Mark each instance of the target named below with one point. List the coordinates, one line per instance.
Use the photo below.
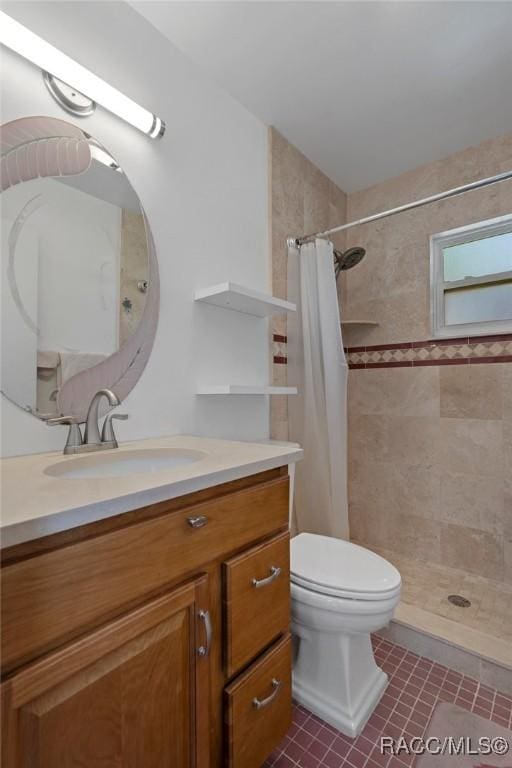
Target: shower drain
(459, 601)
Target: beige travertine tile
(391, 193)
(287, 179)
(440, 605)
(337, 206)
(279, 267)
(401, 318)
(507, 565)
(507, 447)
(484, 159)
(397, 260)
(389, 487)
(401, 468)
(507, 387)
(368, 524)
(367, 438)
(455, 212)
(302, 199)
(280, 289)
(279, 430)
(316, 199)
(414, 536)
(279, 375)
(337, 214)
(396, 439)
(474, 501)
(472, 446)
(484, 628)
(412, 440)
(401, 391)
(279, 407)
(396, 269)
(505, 192)
(471, 392)
(134, 267)
(507, 512)
(279, 325)
(471, 550)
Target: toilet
(341, 592)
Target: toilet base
(349, 723)
(336, 678)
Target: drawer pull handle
(197, 522)
(260, 703)
(275, 571)
(204, 650)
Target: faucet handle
(107, 433)
(75, 439)
(54, 421)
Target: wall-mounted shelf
(240, 299)
(359, 324)
(245, 389)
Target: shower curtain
(318, 414)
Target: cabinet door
(132, 694)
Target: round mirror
(79, 272)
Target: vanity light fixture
(59, 70)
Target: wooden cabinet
(132, 694)
(121, 640)
(257, 605)
(50, 598)
(258, 708)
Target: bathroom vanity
(154, 635)
(145, 588)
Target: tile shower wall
(134, 270)
(302, 199)
(430, 444)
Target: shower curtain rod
(292, 241)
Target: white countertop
(36, 504)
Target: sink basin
(114, 463)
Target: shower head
(348, 258)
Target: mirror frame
(38, 147)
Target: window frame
(438, 286)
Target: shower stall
(429, 412)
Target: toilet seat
(341, 569)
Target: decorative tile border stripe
(468, 350)
(460, 351)
(279, 349)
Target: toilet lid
(337, 567)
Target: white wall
(79, 244)
(204, 189)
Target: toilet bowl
(341, 593)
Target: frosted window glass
(485, 256)
(482, 303)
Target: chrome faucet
(92, 440)
(92, 431)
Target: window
(471, 279)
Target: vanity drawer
(257, 600)
(258, 708)
(51, 598)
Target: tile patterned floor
(428, 585)
(416, 685)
